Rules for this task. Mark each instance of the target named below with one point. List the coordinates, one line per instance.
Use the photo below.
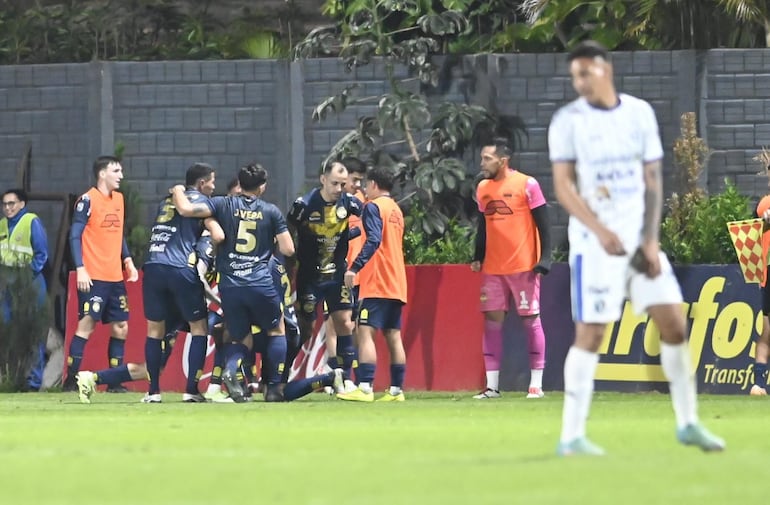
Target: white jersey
(609, 148)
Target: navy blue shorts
(334, 293)
(245, 306)
(380, 313)
(170, 291)
(106, 302)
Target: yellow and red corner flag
(747, 240)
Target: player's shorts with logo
(334, 293)
(170, 291)
(523, 287)
(599, 283)
(106, 302)
(380, 313)
(244, 306)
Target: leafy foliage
(24, 331)
(422, 141)
(694, 231)
(455, 245)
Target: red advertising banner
(441, 332)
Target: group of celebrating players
(246, 247)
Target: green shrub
(696, 229)
(26, 329)
(455, 245)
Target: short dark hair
(588, 49)
(198, 171)
(101, 163)
(354, 165)
(252, 176)
(383, 177)
(502, 147)
(20, 194)
(233, 182)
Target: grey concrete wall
(170, 114)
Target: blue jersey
(174, 237)
(322, 234)
(250, 227)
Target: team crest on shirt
(602, 193)
(341, 212)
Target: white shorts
(600, 283)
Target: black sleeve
(479, 250)
(543, 223)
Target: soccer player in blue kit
(249, 297)
(321, 221)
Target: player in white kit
(606, 156)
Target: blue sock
(249, 366)
(760, 374)
(77, 346)
(365, 372)
(167, 348)
(195, 361)
(299, 388)
(115, 351)
(274, 358)
(397, 373)
(333, 362)
(153, 357)
(219, 364)
(114, 375)
(346, 354)
(234, 354)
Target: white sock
(536, 379)
(395, 390)
(675, 360)
(493, 380)
(579, 371)
(366, 387)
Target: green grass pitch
(436, 448)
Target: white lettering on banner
(311, 358)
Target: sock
(219, 364)
(492, 347)
(196, 357)
(760, 374)
(536, 379)
(397, 372)
(292, 350)
(274, 359)
(115, 351)
(249, 367)
(77, 346)
(114, 375)
(234, 354)
(299, 388)
(365, 375)
(153, 357)
(579, 371)
(333, 362)
(536, 337)
(347, 353)
(167, 348)
(493, 379)
(675, 360)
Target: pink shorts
(497, 290)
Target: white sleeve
(561, 145)
(653, 149)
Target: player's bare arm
(185, 207)
(214, 228)
(285, 244)
(565, 187)
(653, 202)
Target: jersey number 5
(247, 238)
(167, 213)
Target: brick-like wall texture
(170, 114)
